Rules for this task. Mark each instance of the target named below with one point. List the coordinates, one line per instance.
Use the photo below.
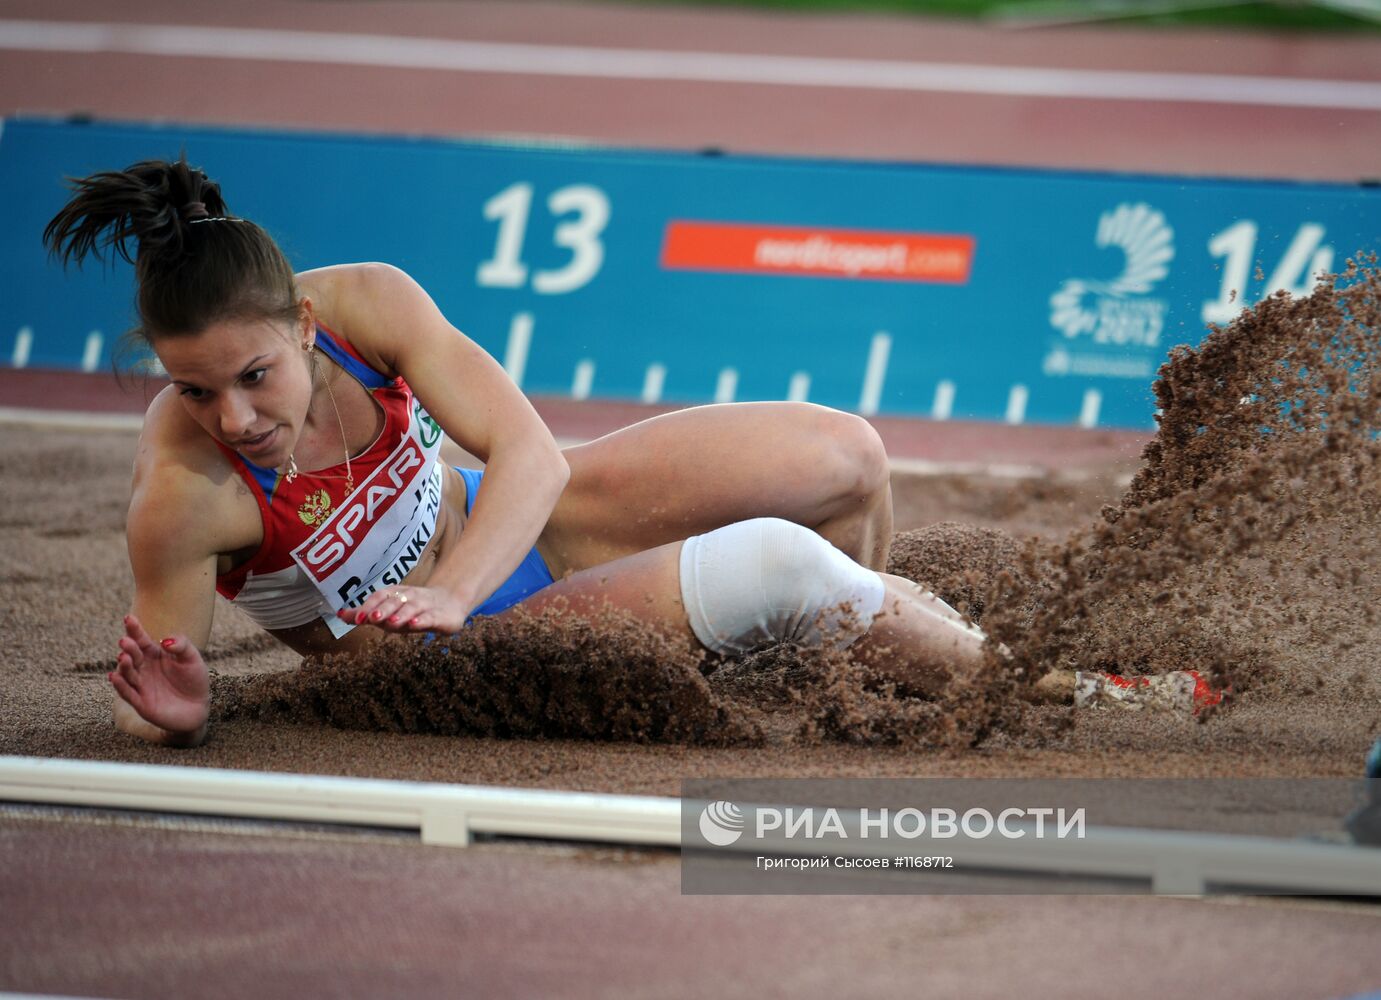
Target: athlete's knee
(855, 459)
(768, 580)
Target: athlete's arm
(386, 313)
(161, 682)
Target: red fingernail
(413, 621)
(378, 616)
(393, 620)
(167, 643)
(359, 618)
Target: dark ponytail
(195, 263)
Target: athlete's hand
(167, 683)
(410, 609)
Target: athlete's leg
(694, 470)
(745, 595)
(918, 640)
(647, 584)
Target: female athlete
(292, 466)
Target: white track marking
(1016, 404)
(71, 418)
(991, 470)
(584, 379)
(91, 353)
(1088, 410)
(206, 42)
(726, 386)
(943, 407)
(875, 374)
(23, 344)
(653, 381)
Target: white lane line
(71, 419)
(715, 67)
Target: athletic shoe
(1178, 691)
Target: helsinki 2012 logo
(721, 823)
(1119, 313)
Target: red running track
(1172, 136)
(175, 912)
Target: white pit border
(443, 814)
(451, 815)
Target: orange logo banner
(834, 253)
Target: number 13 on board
(580, 234)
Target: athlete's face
(248, 383)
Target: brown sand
(1245, 547)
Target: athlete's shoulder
(372, 305)
(362, 296)
(352, 277)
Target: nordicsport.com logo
(812, 251)
(721, 823)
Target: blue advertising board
(906, 289)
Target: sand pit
(1245, 547)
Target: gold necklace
(292, 472)
(349, 474)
